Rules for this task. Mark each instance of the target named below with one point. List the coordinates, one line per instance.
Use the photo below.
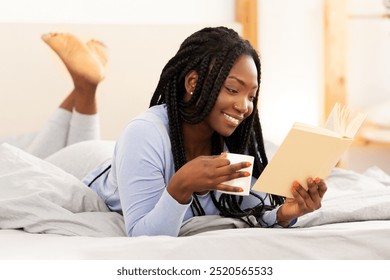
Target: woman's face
(235, 100)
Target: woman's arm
(143, 166)
(304, 201)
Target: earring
(191, 93)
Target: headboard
(34, 80)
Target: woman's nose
(241, 106)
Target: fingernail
(224, 154)
(310, 180)
(247, 174)
(296, 184)
(248, 164)
(240, 190)
(317, 180)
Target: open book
(309, 151)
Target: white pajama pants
(63, 128)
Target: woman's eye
(252, 98)
(231, 90)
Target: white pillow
(41, 198)
(81, 158)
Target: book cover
(309, 151)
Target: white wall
(291, 49)
(117, 11)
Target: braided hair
(211, 52)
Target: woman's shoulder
(156, 114)
(153, 120)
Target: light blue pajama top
(141, 168)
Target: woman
(169, 163)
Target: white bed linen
(39, 197)
(356, 240)
(49, 205)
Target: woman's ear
(190, 81)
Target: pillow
(39, 197)
(81, 158)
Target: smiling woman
(170, 163)
(239, 89)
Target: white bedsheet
(352, 241)
(352, 197)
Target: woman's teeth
(230, 118)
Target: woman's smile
(233, 120)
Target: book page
(332, 122)
(355, 124)
(344, 122)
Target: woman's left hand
(304, 201)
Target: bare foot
(81, 62)
(99, 49)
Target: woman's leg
(21, 141)
(85, 123)
(76, 119)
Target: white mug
(243, 182)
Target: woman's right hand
(203, 174)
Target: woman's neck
(197, 140)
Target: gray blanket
(39, 197)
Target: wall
(117, 11)
(291, 48)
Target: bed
(340, 241)
(47, 213)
